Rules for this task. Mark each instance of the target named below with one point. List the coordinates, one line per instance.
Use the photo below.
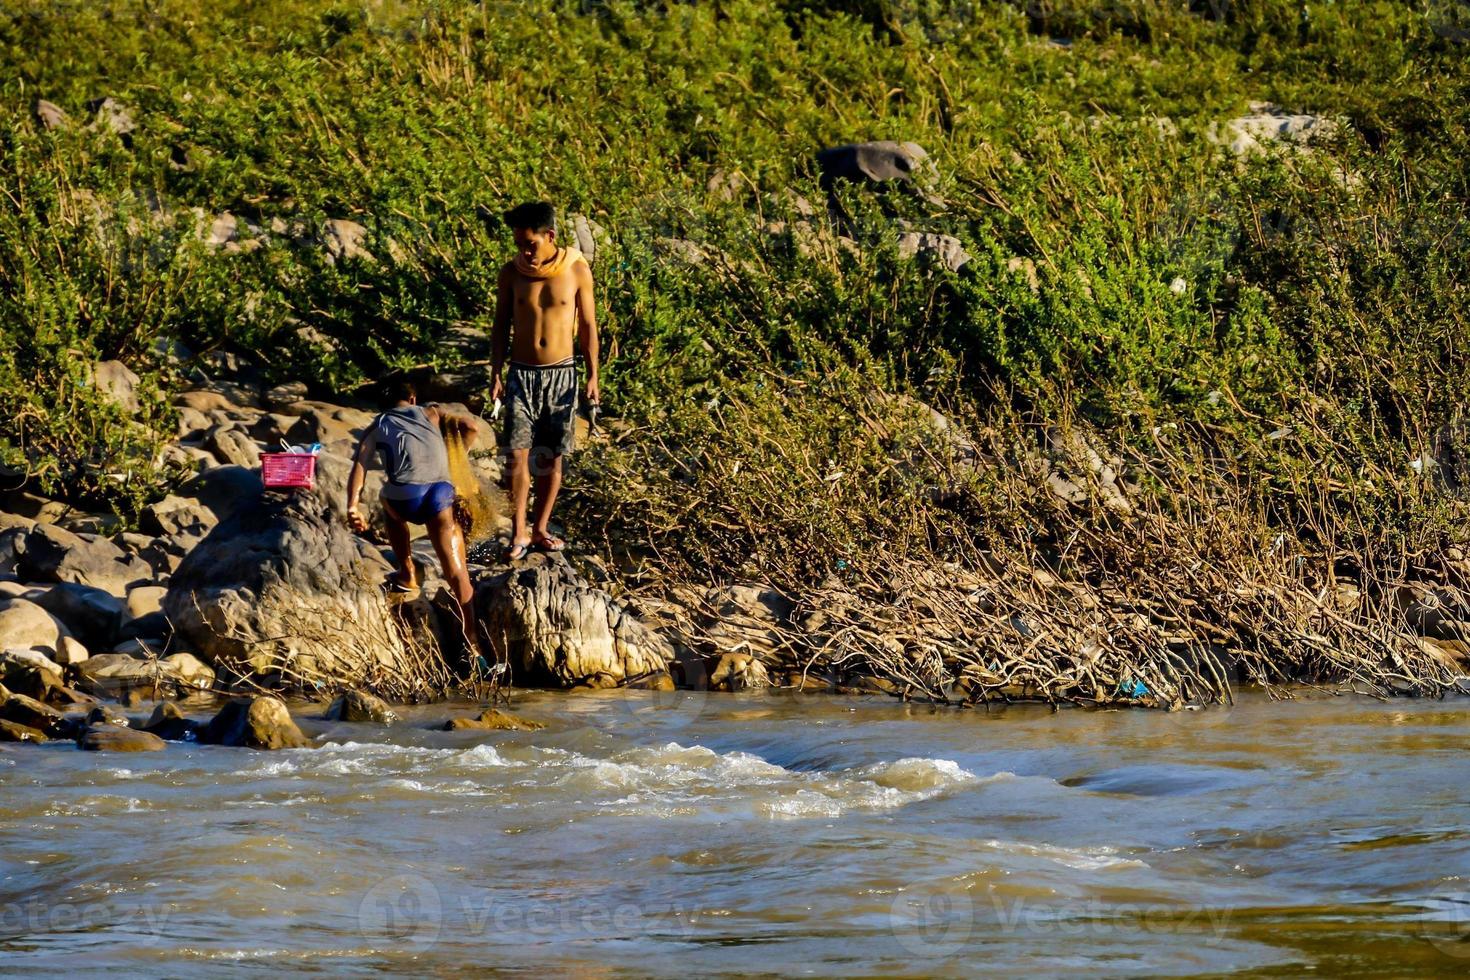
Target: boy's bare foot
(548, 542)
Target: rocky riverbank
(228, 589)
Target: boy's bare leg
(520, 491)
(548, 485)
(448, 540)
(401, 542)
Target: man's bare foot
(548, 542)
(517, 550)
(397, 582)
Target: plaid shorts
(541, 407)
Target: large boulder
(30, 672)
(22, 710)
(256, 723)
(167, 721)
(91, 614)
(115, 738)
(233, 446)
(23, 624)
(556, 630)
(355, 705)
(328, 424)
(493, 719)
(175, 515)
(876, 163)
(1265, 124)
(282, 592)
(224, 490)
(115, 674)
(53, 554)
(117, 383)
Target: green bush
(1127, 271)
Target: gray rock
(114, 674)
(168, 722)
(345, 239)
(284, 396)
(559, 631)
(25, 625)
(943, 249)
(233, 446)
(114, 117)
(329, 425)
(1253, 133)
(875, 163)
(282, 589)
(53, 554)
(175, 515)
(355, 705)
(256, 723)
(27, 711)
(117, 383)
(114, 738)
(51, 115)
(91, 614)
(227, 489)
(493, 719)
(587, 236)
(12, 732)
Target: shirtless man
(543, 302)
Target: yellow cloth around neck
(563, 260)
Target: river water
(676, 834)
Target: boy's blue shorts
(421, 501)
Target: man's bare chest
(548, 294)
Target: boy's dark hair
(533, 216)
(394, 392)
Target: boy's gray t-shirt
(410, 447)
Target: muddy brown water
(678, 834)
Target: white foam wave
(1102, 858)
(660, 780)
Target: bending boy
(406, 437)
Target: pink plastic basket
(279, 470)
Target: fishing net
(474, 509)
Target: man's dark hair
(532, 216)
(396, 392)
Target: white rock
(70, 652)
(25, 625)
(189, 670)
